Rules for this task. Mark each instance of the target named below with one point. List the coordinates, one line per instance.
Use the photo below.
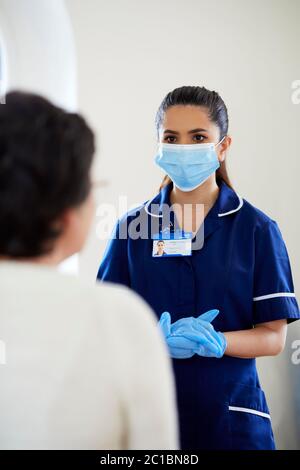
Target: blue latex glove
(201, 328)
(188, 336)
(179, 346)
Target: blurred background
(115, 61)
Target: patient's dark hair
(45, 159)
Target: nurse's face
(188, 124)
(160, 247)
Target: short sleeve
(114, 265)
(274, 297)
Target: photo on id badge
(172, 247)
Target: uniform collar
(227, 203)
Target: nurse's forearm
(267, 339)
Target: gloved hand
(179, 346)
(190, 335)
(210, 342)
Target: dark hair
(198, 96)
(45, 159)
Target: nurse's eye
(198, 138)
(170, 139)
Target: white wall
(132, 52)
(40, 56)
(39, 42)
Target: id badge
(177, 243)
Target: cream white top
(85, 367)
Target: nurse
(223, 293)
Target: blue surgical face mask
(188, 166)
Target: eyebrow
(193, 131)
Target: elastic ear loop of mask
(220, 141)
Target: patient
(85, 366)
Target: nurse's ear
(222, 148)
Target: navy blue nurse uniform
(243, 270)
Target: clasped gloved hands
(189, 336)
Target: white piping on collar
(241, 202)
(150, 213)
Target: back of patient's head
(45, 160)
